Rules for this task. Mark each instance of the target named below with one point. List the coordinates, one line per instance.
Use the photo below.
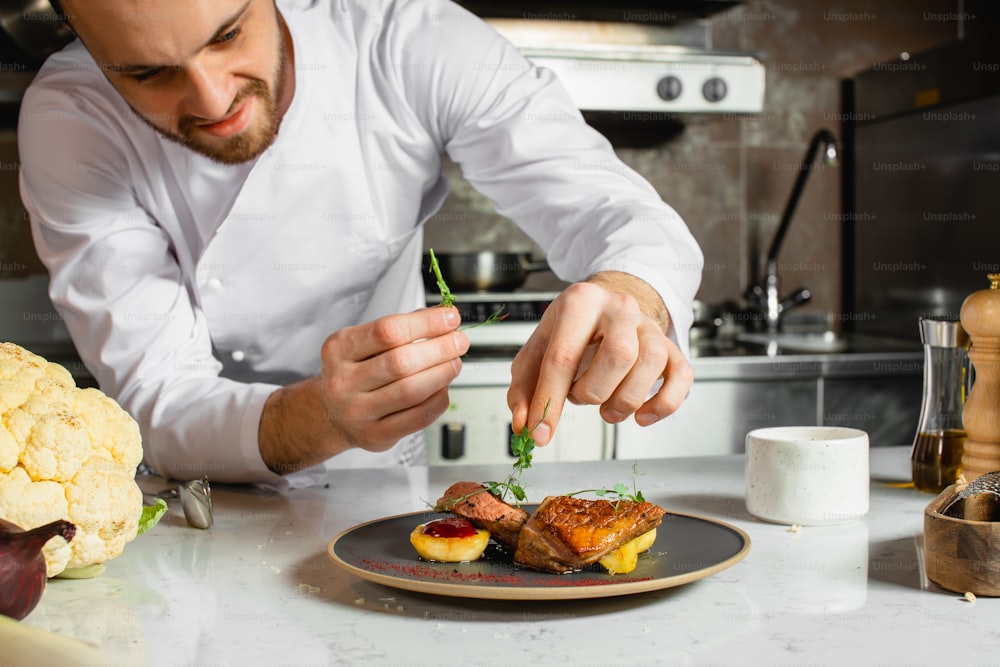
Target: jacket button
(238, 355)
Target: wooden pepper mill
(980, 317)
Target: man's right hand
(380, 381)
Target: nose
(210, 91)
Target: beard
(253, 140)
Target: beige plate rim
(485, 592)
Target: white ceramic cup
(807, 475)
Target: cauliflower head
(66, 453)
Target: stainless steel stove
(521, 313)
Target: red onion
(22, 565)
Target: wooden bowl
(961, 555)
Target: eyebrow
(223, 29)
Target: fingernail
(645, 418)
(459, 339)
(614, 416)
(542, 433)
(450, 315)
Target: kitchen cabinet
(877, 392)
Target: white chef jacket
(193, 290)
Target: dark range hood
(664, 12)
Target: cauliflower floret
(66, 453)
(31, 504)
(105, 504)
(107, 423)
(21, 370)
(10, 450)
(56, 446)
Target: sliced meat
(566, 534)
(484, 510)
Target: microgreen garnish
(521, 445)
(494, 317)
(619, 493)
(448, 299)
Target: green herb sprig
(619, 493)
(522, 445)
(448, 299)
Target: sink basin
(826, 341)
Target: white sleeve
(115, 280)
(520, 140)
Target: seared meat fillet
(484, 510)
(566, 534)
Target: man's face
(212, 75)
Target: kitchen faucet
(765, 298)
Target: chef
(229, 194)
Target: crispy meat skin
(484, 510)
(566, 534)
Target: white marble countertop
(259, 589)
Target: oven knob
(510, 441)
(452, 441)
(714, 89)
(669, 88)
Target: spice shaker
(981, 318)
(936, 456)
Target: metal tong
(196, 501)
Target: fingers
(416, 396)
(382, 428)
(543, 372)
(389, 378)
(677, 381)
(595, 347)
(367, 340)
(382, 352)
(650, 361)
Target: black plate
(687, 548)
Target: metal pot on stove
(481, 271)
(34, 27)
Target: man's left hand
(601, 342)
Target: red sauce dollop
(451, 527)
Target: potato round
(624, 559)
(449, 549)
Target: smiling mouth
(232, 124)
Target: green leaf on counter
(151, 515)
(85, 572)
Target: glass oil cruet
(936, 456)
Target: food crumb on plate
(970, 597)
(306, 588)
(359, 601)
(795, 528)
